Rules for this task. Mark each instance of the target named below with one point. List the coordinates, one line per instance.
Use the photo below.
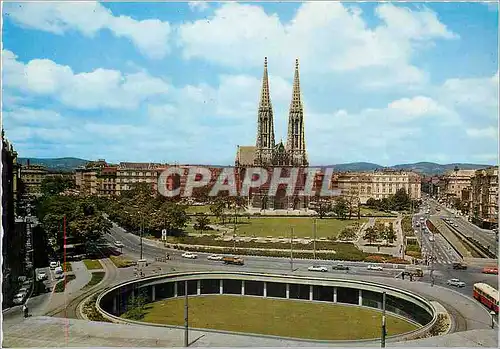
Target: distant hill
(426, 168)
(58, 164)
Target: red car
(490, 270)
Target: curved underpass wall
(114, 301)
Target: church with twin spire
(266, 152)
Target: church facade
(268, 154)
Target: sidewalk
(395, 250)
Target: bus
(486, 295)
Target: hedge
(61, 284)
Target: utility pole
(234, 229)
(186, 312)
(314, 239)
(384, 332)
(291, 250)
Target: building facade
(455, 182)
(484, 198)
(13, 239)
(361, 186)
(32, 177)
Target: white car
(317, 268)
(41, 276)
(455, 282)
(119, 244)
(189, 255)
(19, 298)
(375, 267)
(53, 265)
(215, 257)
(431, 238)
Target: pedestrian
(25, 310)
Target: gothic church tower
(265, 125)
(296, 143)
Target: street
(442, 271)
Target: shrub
(90, 310)
(60, 286)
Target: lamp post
(314, 239)
(186, 313)
(384, 332)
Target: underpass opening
(347, 295)
(276, 289)
(231, 286)
(323, 293)
(299, 291)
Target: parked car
(19, 298)
(340, 267)
(317, 268)
(119, 244)
(41, 276)
(375, 267)
(53, 265)
(189, 255)
(455, 282)
(459, 266)
(215, 257)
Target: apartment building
(32, 177)
(455, 182)
(377, 184)
(484, 197)
(86, 178)
(129, 173)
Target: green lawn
(121, 262)
(198, 209)
(287, 318)
(281, 226)
(374, 212)
(92, 264)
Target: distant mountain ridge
(56, 164)
(426, 168)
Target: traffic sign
(164, 234)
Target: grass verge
(90, 310)
(67, 266)
(276, 317)
(92, 264)
(121, 262)
(96, 278)
(60, 286)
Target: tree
(56, 185)
(371, 235)
(323, 208)
(202, 222)
(340, 208)
(136, 308)
(385, 204)
(217, 208)
(388, 233)
(372, 203)
(400, 200)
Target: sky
(387, 83)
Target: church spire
(296, 144)
(296, 100)
(265, 123)
(265, 98)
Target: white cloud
(150, 36)
(327, 36)
(29, 116)
(101, 88)
(489, 132)
(477, 96)
(198, 5)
